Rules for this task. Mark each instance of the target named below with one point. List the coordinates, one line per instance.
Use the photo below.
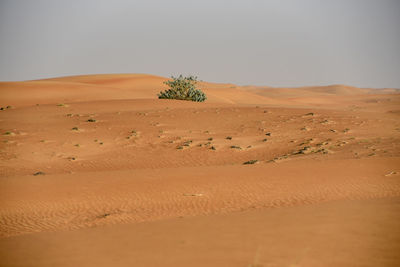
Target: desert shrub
(253, 161)
(183, 88)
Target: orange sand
(141, 186)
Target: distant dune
(95, 170)
(140, 86)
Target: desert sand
(96, 171)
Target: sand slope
(101, 150)
(343, 233)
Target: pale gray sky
(275, 43)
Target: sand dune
(80, 88)
(101, 151)
(142, 86)
(341, 233)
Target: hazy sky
(275, 43)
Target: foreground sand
(165, 179)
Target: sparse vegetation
(309, 149)
(91, 120)
(187, 143)
(183, 88)
(253, 161)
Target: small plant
(75, 129)
(229, 137)
(236, 147)
(183, 88)
(91, 120)
(187, 143)
(253, 161)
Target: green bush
(182, 88)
